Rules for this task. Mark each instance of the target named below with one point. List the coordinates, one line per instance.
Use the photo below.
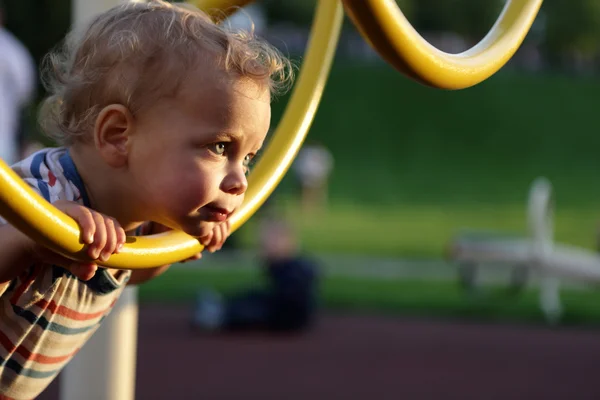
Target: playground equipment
(394, 38)
(106, 365)
(538, 253)
(391, 34)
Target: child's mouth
(215, 214)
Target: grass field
(420, 231)
(416, 165)
(396, 142)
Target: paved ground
(353, 357)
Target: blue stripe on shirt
(70, 172)
(32, 318)
(31, 373)
(35, 170)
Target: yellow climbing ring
(386, 29)
(30, 213)
(392, 35)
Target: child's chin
(199, 231)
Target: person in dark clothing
(287, 303)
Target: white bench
(538, 252)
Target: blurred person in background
(313, 167)
(17, 85)
(287, 303)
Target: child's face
(189, 155)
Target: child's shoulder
(52, 173)
(45, 159)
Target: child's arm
(16, 252)
(213, 242)
(103, 235)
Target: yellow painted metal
(392, 35)
(28, 211)
(219, 9)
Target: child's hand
(211, 242)
(214, 240)
(103, 235)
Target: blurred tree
(39, 24)
(408, 8)
(469, 18)
(570, 27)
(301, 12)
(298, 12)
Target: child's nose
(235, 182)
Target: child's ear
(112, 131)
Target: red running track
(359, 357)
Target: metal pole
(104, 369)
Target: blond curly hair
(138, 52)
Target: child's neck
(107, 187)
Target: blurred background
(393, 172)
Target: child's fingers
(121, 238)
(216, 239)
(99, 237)
(86, 222)
(83, 271)
(206, 240)
(224, 228)
(103, 235)
(111, 239)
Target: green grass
(414, 165)
(393, 296)
(420, 231)
(397, 142)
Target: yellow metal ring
(385, 27)
(219, 9)
(33, 215)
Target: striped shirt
(47, 314)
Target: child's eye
(218, 148)
(248, 161)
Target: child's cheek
(193, 196)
